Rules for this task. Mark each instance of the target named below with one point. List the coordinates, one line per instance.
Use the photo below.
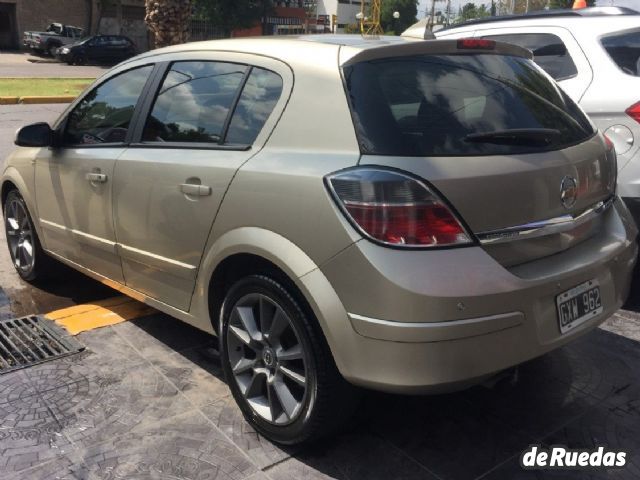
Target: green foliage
(408, 10)
(471, 11)
(230, 15)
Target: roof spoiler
(459, 46)
(419, 30)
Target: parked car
(110, 49)
(407, 216)
(594, 54)
(52, 38)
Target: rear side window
(549, 51)
(193, 102)
(434, 105)
(260, 95)
(624, 50)
(104, 114)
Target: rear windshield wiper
(516, 136)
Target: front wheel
(278, 366)
(27, 255)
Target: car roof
(300, 49)
(562, 15)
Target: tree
(168, 20)
(230, 15)
(408, 9)
(470, 11)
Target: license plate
(578, 305)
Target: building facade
(345, 12)
(94, 16)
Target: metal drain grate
(30, 340)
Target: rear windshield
(430, 104)
(624, 49)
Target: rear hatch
(516, 158)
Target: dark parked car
(99, 48)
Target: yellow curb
(80, 318)
(47, 99)
(8, 100)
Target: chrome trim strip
(157, 257)
(113, 246)
(541, 228)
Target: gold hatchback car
(403, 215)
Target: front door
(170, 185)
(73, 182)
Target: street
(17, 64)
(147, 399)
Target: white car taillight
(396, 209)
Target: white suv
(594, 54)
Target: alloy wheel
(19, 235)
(267, 359)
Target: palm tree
(168, 20)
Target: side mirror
(35, 135)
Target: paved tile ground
(148, 400)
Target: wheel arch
(253, 250)
(13, 180)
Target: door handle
(96, 177)
(195, 190)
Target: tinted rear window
(624, 49)
(427, 105)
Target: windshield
(436, 104)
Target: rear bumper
(422, 322)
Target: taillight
(634, 111)
(476, 44)
(396, 209)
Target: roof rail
(582, 12)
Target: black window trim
(150, 99)
(60, 130)
(559, 79)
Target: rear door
(499, 140)
(205, 121)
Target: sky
(424, 6)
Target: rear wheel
(278, 366)
(27, 255)
(51, 50)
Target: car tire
(28, 258)
(292, 400)
(51, 50)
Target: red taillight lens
(634, 111)
(476, 44)
(396, 209)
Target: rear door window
(193, 102)
(624, 50)
(549, 51)
(434, 104)
(259, 96)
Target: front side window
(624, 50)
(452, 105)
(549, 51)
(260, 95)
(104, 114)
(193, 102)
